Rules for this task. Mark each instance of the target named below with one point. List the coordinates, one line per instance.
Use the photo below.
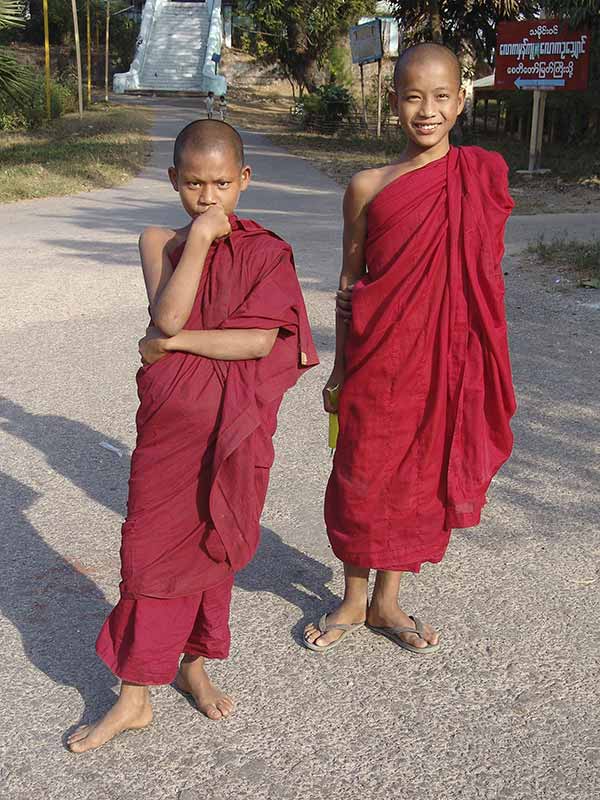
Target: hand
(213, 223)
(153, 346)
(343, 303)
(336, 380)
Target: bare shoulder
(367, 183)
(154, 239)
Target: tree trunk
(433, 9)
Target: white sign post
(366, 46)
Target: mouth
(426, 127)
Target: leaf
(11, 14)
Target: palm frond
(11, 14)
(16, 80)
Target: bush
(63, 100)
(326, 109)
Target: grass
(580, 258)
(105, 148)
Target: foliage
(123, 30)
(340, 65)
(32, 111)
(299, 35)
(467, 28)
(15, 80)
(326, 109)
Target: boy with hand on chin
(229, 335)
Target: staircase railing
(130, 81)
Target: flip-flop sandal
(394, 635)
(324, 627)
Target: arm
(228, 345)
(171, 293)
(356, 201)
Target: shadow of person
(57, 609)
(284, 571)
(74, 450)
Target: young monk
(423, 366)
(229, 334)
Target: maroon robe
(200, 469)
(427, 400)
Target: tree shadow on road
(286, 572)
(54, 605)
(74, 450)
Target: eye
(224, 184)
(193, 184)
(412, 97)
(443, 96)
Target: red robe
(200, 470)
(425, 408)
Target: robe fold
(200, 469)
(425, 409)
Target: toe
(225, 706)
(79, 734)
(212, 712)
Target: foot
(395, 617)
(193, 679)
(345, 614)
(126, 715)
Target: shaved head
(206, 135)
(423, 53)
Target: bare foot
(193, 679)
(132, 711)
(394, 617)
(345, 614)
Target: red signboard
(541, 54)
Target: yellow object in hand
(334, 428)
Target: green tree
(15, 79)
(468, 28)
(298, 35)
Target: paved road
(508, 709)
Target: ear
(173, 178)
(461, 99)
(246, 176)
(393, 101)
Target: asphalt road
(508, 708)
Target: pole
(537, 128)
(78, 56)
(88, 31)
(364, 100)
(47, 61)
(537, 124)
(379, 99)
(106, 51)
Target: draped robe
(426, 404)
(200, 468)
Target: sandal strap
(418, 626)
(417, 630)
(325, 626)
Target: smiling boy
(421, 356)
(228, 336)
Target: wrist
(170, 343)
(199, 234)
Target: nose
(427, 107)
(207, 197)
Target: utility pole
(78, 56)
(47, 60)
